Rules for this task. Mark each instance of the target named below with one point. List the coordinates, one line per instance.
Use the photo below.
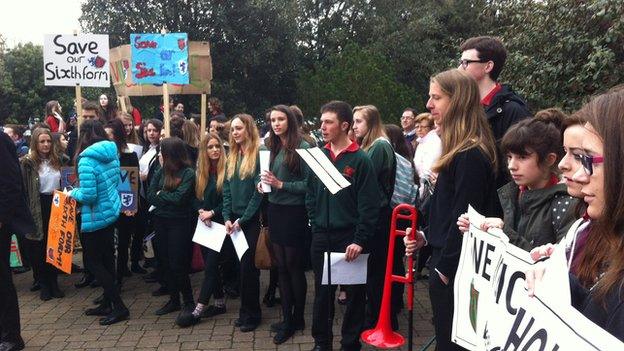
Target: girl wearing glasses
(602, 188)
(537, 208)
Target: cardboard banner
(70, 60)
(16, 256)
(200, 73)
(159, 58)
(128, 188)
(61, 232)
(494, 312)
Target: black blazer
(14, 212)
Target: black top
(469, 180)
(14, 212)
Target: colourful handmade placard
(160, 58)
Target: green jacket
(173, 204)
(384, 164)
(30, 175)
(295, 185)
(212, 200)
(356, 206)
(240, 196)
(537, 217)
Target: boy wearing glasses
(484, 58)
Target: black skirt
(288, 224)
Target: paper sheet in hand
(211, 237)
(240, 243)
(343, 272)
(265, 158)
(324, 169)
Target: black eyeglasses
(465, 62)
(588, 162)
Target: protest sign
(70, 60)
(159, 58)
(494, 312)
(61, 232)
(16, 257)
(128, 188)
(69, 180)
(200, 73)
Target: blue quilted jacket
(98, 174)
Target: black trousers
(212, 284)
(250, 275)
(441, 296)
(44, 273)
(9, 308)
(174, 237)
(140, 226)
(99, 255)
(353, 321)
(126, 226)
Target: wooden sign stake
(203, 117)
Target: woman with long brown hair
(41, 170)
(287, 218)
(466, 176)
(371, 135)
(602, 186)
(241, 204)
(171, 192)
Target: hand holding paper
(343, 272)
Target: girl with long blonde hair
(466, 176)
(241, 204)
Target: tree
(22, 93)
(562, 51)
(360, 77)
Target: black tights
(292, 282)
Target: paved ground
(60, 324)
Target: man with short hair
(17, 136)
(484, 58)
(408, 123)
(345, 221)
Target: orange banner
(61, 232)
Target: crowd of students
(536, 177)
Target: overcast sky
(23, 21)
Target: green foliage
(360, 77)
(22, 93)
(562, 51)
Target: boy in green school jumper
(353, 213)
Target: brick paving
(59, 324)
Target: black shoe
(276, 327)
(186, 318)
(162, 291)
(20, 270)
(35, 286)
(318, 347)
(232, 293)
(86, 279)
(135, 267)
(170, 306)
(45, 294)
(269, 300)
(56, 292)
(120, 313)
(98, 300)
(102, 310)
(212, 311)
(12, 345)
(95, 284)
(238, 322)
(283, 335)
(249, 326)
